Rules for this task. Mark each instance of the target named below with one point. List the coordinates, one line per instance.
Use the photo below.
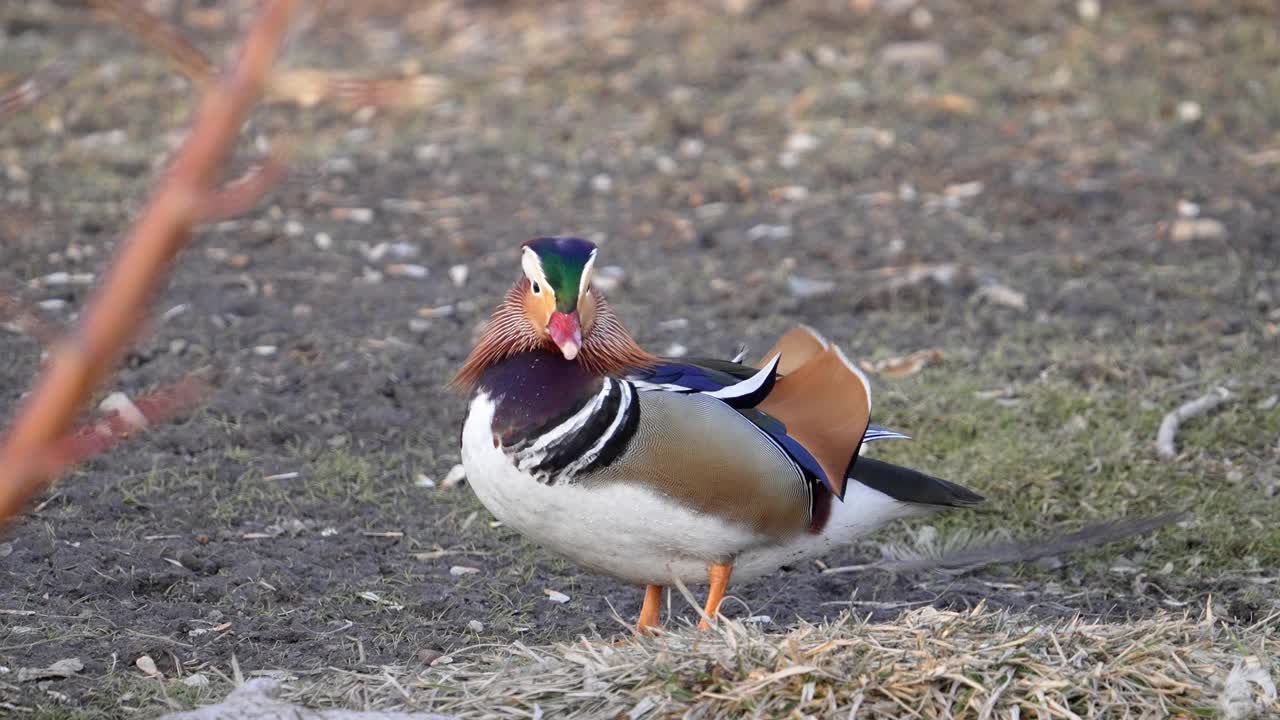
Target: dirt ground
(1102, 189)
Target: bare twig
(162, 37)
(1169, 426)
(242, 194)
(115, 314)
(27, 320)
(302, 86)
(40, 83)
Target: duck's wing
(803, 395)
(714, 459)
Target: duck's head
(552, 307)
(557, 284)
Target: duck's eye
(537, 289)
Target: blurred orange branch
(80, 362)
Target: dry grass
(928, 663)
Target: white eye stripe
(532, 266)
(585, 281)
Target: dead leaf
(147, 666)
(953, 103)
(64, 668)
(1002, 295)
(904, 366)
(1188, 229)
(1261, 158)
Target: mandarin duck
(653, 469)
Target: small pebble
(121, 405)
(666, 165)
(602, 183)
(692, 147)
(407, 270)
(676, 350)
(66, 278)
(794, 193)
(460, 570)
(419, 325)
(475, 625)
(768, 232)
(1189, 111)
(293, 228)
(323, 241)
(921, 18)
(436, 312)
(964, 190)
(556, 596)
(800, 143)
(374, 253)
(427, 153)
(361, 215)
(458, 275)
(264, 350)
(803, 287)
(404, 250)
(609, 278)
(339, 166)
(1076, 425)
(914, 55)
(423, 481)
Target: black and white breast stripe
(589, 439)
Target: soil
(280, 524)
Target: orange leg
(719, 574)
(651, 610)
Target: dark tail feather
(910, 485)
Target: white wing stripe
(751, 384)
(594, 451)
(575, 421)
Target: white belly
(635, 534)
